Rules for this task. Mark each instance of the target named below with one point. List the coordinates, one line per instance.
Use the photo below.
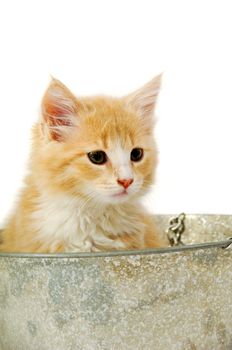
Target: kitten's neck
(81, 223)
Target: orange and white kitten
(92, 159)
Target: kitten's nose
(125, 182)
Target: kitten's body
(71, 204)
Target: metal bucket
(177, 298)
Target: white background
(115, 47)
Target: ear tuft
(59, 111)
(143, 100)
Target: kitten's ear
(59, 111)
(143, 100)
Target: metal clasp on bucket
(175, 230)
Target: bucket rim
(155, 251)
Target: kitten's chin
(121, 197)
(120, 194)
(124, 196)
(115, 198)
(119, 200)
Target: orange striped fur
(69, 203)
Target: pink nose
(125, 182)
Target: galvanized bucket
(177, 298)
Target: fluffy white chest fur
(84, 227)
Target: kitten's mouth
(121, 194)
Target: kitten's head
(99, 148)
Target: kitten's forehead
(119, 152)
(111, 123)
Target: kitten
(91, 161)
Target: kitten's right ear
(59, 111)
(143, 100)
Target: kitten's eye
(97, 157)
(136, 154)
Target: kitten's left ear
(59, 111)
(143, 100)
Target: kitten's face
(100, 148)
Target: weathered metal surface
(174, 299)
